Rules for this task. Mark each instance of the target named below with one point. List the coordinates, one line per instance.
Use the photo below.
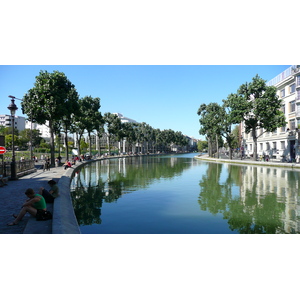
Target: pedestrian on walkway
(31, 205)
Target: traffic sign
(2, 150)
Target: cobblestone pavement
(12, 196)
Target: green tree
(86, 119)
(93, 117)
(27, 134)
(49, 100)
(130, 130)
(83, 145)
(113, 127)
(8, 141)
(211, 124)
(202, 146)
(235, 133)
(258, 106)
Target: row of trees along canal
(54, 99)
(254, 103)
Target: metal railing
(22, 168)
(283, 75)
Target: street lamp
(13, 107)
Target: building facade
(5, 120)
(42, 128)
(284, 142)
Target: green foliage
(253, 104)
(202, 146)
(8, 141)
(52, 98)
(83, 145)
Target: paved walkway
(12, 196)
(272, 162)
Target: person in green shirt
(31, 205)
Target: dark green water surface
(182, 195)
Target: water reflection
(239, 199)
(266, 200)
(107, 180)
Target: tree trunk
(52, 143)
(90, 144)
(108, 143)
(66, 142)
(209, 147)
(217, 144)
(255, 144)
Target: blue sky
(163, 96)
(226, 34)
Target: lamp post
(13, 107)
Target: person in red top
(67, 164)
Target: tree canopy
(52, 97)
(252, 104)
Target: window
(292, 124)
(274, 145)
(283, 108)
(282, 145)
(292, 88)
(282, 93)
(292, 106)
(261, 146)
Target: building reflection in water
(283, 183)
(254, 199)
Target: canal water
(178, 194)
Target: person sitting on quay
(31, 205)
(52, 193)
(67, 164)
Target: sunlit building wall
(283, 142)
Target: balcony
(295, 69)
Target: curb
(64, 220)
(250, 162)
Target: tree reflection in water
(106, 181)
(232, 198)
(253, 214)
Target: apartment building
(5, 120)
(284, 142)
(43, 129)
